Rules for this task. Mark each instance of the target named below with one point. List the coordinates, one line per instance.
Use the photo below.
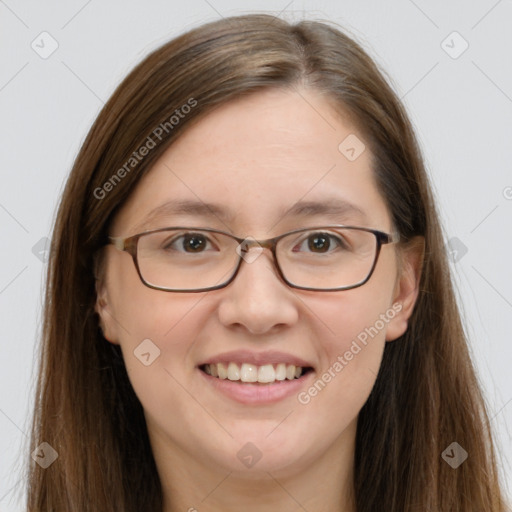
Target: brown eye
(189, 243)
(321, 243)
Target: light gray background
(461, 108)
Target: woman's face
(256, 158)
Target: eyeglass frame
(129, 244)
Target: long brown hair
(426, 395)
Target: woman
(249, 304)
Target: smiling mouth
(250, 373)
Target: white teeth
(233, 371)
(248, 373)
(265, 374)
(221, 370)
(281, 371)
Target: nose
(258, 299)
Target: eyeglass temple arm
(117, 241)
(394, 237)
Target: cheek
(351, 334)
(141, 312)
(354, 317)
(156, 352)
(352, 350)
(154, 331)
(161, 326)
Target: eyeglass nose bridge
(248, 243)
(243, 251)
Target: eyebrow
(335, 208)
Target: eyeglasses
(185, 259)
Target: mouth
(247, 373)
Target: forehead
(261, 163)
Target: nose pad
(249, 249)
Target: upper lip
(257, 358)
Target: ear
(407, 286)
(103, 304)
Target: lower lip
(254, 393)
